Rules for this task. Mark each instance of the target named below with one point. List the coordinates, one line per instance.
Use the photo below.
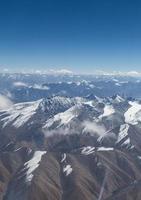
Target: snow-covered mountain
(25, 113)
(102, 118)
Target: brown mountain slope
(102, 174)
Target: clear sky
(80, 35)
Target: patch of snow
(32, 164)
(98, 99)
(127, 141)
(105, 149)
(139, 157)
(85, 82)
(67, 170)
(88, 150)
(29, 151)
(108, 110)
(9, 144)
(91, 86)
(63, 157)
(123, 132)
(78, 83)
(17, 149)
(118, 84)
(119, 99)
(90, 103)
(99, 164)
(65, 117)
(69, 82)
(115, 80)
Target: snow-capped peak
(19, 113)
(132, 115)
(108, 110)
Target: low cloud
(119, 73)
(60, 71)
(59, 131)
(36, 86)
(133, 73)
(19, 84)
(92, 127)
(5, 102)
(84, 127)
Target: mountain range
(59, 148)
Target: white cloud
(63, 71)
(5, 102)
(118, 73)
(36, 86)
(60, 71)
(92, 127)
(5, 70)
(133, 73)
(19, 84)
(38, 71)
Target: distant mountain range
(28, 87)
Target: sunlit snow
(123, 132)
(131, 114)
(20, 113)
(67, 170)
(32, 164)
(108, 110)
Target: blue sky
(79, 35)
